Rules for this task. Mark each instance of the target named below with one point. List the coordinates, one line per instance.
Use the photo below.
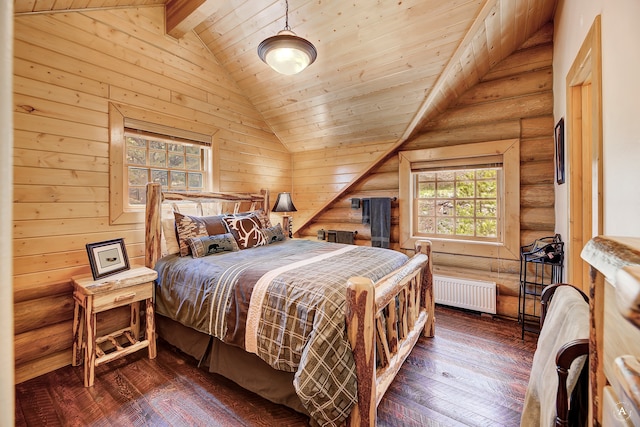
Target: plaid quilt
(284, 302)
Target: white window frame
(506, 152)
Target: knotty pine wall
(514, 100)
(68, 67)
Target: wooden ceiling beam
(182, 16)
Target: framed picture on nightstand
(108, 257)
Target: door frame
(584, 142)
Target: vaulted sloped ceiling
(384, 67)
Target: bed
(320, 327)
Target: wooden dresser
(615, 330)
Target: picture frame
(107, 258)
(559, 144)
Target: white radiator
(475, 295)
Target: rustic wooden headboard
(232, 202)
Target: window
(145, 146)
(465, 198)
(179, 165)
(457, 203)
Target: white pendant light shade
(287, 53)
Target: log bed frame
(372, 327)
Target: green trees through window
(461, 203)
(464, 198)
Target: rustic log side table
(90, 296)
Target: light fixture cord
(286, 15)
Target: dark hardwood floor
(474, 372)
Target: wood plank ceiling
(384, 67)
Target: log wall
(514, 100)
(68, 67)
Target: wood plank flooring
(474, 372)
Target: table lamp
(285, 204)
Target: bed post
(152, 228)
(265, 201)
(426, 291)
(360, 330)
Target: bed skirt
(245, 369)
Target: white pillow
(169, 236)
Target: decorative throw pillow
(260, 213)
(273, 234)
(246, 230)
(264, 218)
(208, 245)
(169, 235)
(188, 226)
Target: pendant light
(285, 52)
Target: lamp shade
(284, 203)
(287, 53)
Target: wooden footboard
(384, 321)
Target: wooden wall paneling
(41, 365)
(537, 218)
(53, 261)
(79, 107)
(32, 186)
(40, 342)
(486, 264)
(531, 82)
(53, 342)
(68, 243)
(52, 160)
(481, 132)
(496, 111)
(33, 71)
(522, 61)
(534, 127)
(47, 227)
(378, 181)
(25, 121)
(62, 177)
(59, 144)
(153, 53)
(52, 210)
(537, 195)
(320, 174)
(68, 68)
(537, 149)
(41, 312)
(34, 290)
(513, 100)
(538, 172)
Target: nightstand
(94, 296)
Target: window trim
(119, 213)
(509, 150)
